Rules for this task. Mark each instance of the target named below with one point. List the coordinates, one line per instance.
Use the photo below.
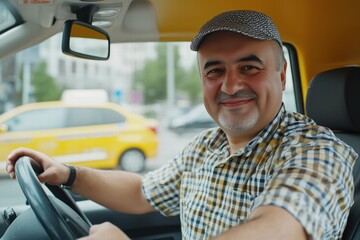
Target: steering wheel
(58, 220)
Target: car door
(90, 137)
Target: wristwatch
(71, 177)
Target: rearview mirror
(85, 41)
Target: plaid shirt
(292, 163)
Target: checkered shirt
(292, 163)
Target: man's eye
(214, 71)
(248, 68)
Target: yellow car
(102, 135)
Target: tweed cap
(247, 22)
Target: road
(170, 145)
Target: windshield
(65, 107)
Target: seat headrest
(333, 99)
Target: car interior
(324, 54)
(331, 102)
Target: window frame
(293, 66)
(18, 19)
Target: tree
(151, 79)
(190, 85)
(44, 86)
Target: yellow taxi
(103, 135)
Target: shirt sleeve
(161, 188)
(313, 181)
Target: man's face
(242, 89)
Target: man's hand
(105, 231)
(54, 173)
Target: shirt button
(221, 165)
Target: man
(265, 173)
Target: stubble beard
(237, 124)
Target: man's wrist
(71, 178)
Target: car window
(289, 97)
(40, 119)
(92, 116)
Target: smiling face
(242, 82)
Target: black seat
(333, 100)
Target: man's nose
(232, 82)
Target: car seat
(333, 100)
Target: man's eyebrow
(250, 58)
(211, 63)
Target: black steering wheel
(61, 221)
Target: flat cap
(247, 22)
